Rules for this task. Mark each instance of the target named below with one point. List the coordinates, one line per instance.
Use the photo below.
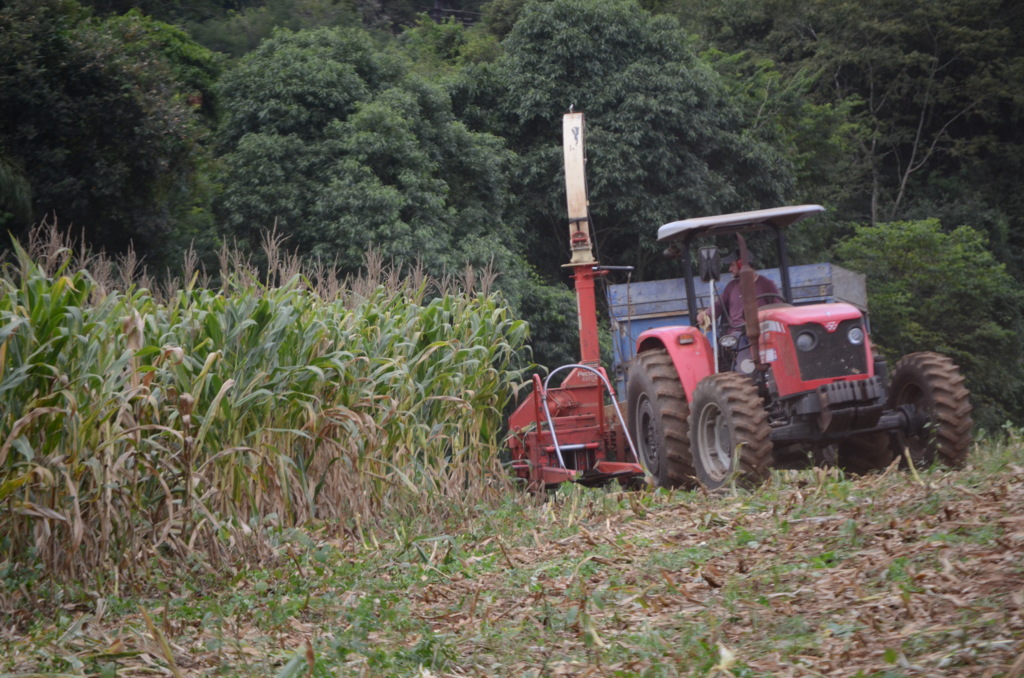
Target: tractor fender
(689, 349)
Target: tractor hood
(827, 315)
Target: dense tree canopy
(340, 148)
(665, 138)
(926, 76)
(96, 122)
(930, 98)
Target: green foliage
(96, 120)
(131, 424)
(336, 144)
(926, 91)
(926, 76)
(238, 27)
(665, 138)
(435, 49)
(241, 30)
(298, 83)
(500, 16)
(812, 136)
(433, 141)
(192, 68)
(552, 314)
(15, 194)
(170, 10)
(938, 291)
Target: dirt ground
(915, 581)
(890, 575)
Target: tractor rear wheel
(657, 419)
(932, 383)
(729, 433)
(865, 453)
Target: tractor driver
(730, 303)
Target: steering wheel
(771, 295)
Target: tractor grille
(832, 355)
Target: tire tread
(657, 369)
(948, 400)
(737, 396)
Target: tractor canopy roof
(775, 218)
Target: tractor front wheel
(932, 383)
(729, 433)
(657, 419)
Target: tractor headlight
(856, 336)
(806, 341)
(727, 341)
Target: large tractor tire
(865, 453)
(932, 383)
(730, 438)
(657, 419)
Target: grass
(784, 580)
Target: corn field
(139, 423)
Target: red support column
(586, 309)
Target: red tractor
(700, 409)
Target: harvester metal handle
(551, 424)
